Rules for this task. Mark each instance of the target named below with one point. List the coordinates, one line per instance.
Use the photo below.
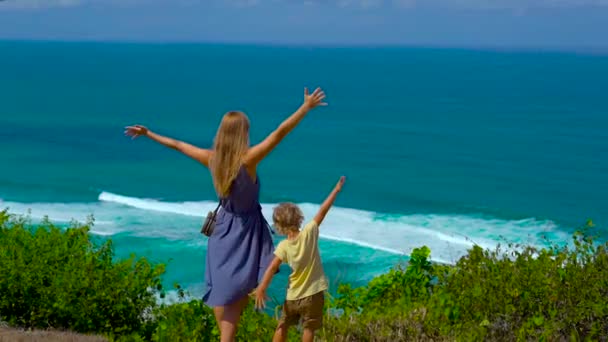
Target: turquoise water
(441, 147)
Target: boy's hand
(260, 298)
(329, 201)
(340, 183)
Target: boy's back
(302, 255)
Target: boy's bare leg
(280, 335)
(308, 335)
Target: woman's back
(240, 248)
(244, 194)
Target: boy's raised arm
(329, 201)
(260, 292)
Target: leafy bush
(194, 321)
(403, 284)
(190, 321)
(59, 278)
(529, 293)
(389, 308)
(515, 294)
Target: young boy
(307, 283)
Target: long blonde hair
(230, 146)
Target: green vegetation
(52, 277)
(559, 293)
(58, 278)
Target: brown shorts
(309, 310)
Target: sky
(563, 24)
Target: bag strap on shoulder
(218, 206)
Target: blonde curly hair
(287, 217)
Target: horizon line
(569, 49)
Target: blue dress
(240, 249)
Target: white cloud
(570, 3)
(515, 4)
(518, 5)
(41, 4)
(34, 4)
(404, 3)
(244, 3)
(463, 4)
(364, 4)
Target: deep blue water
(440, 147)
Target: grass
(19, 335)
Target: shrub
(549, 293)
(402, 286)
(191, 321)
(194, 321)
(514, 294)
(59, 278)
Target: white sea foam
(448, 236)
(182, 208)
(64, 213)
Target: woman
(240, 248)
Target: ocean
(441, 147)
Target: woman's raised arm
(258, 152)
(199, 154)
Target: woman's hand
(315, 99)
(260, 298)
(199, 154)
(136, 131)
(258, 152)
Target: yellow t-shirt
(302, 255)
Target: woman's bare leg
(228, 318)
(218, 311)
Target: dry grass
(18, 335)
